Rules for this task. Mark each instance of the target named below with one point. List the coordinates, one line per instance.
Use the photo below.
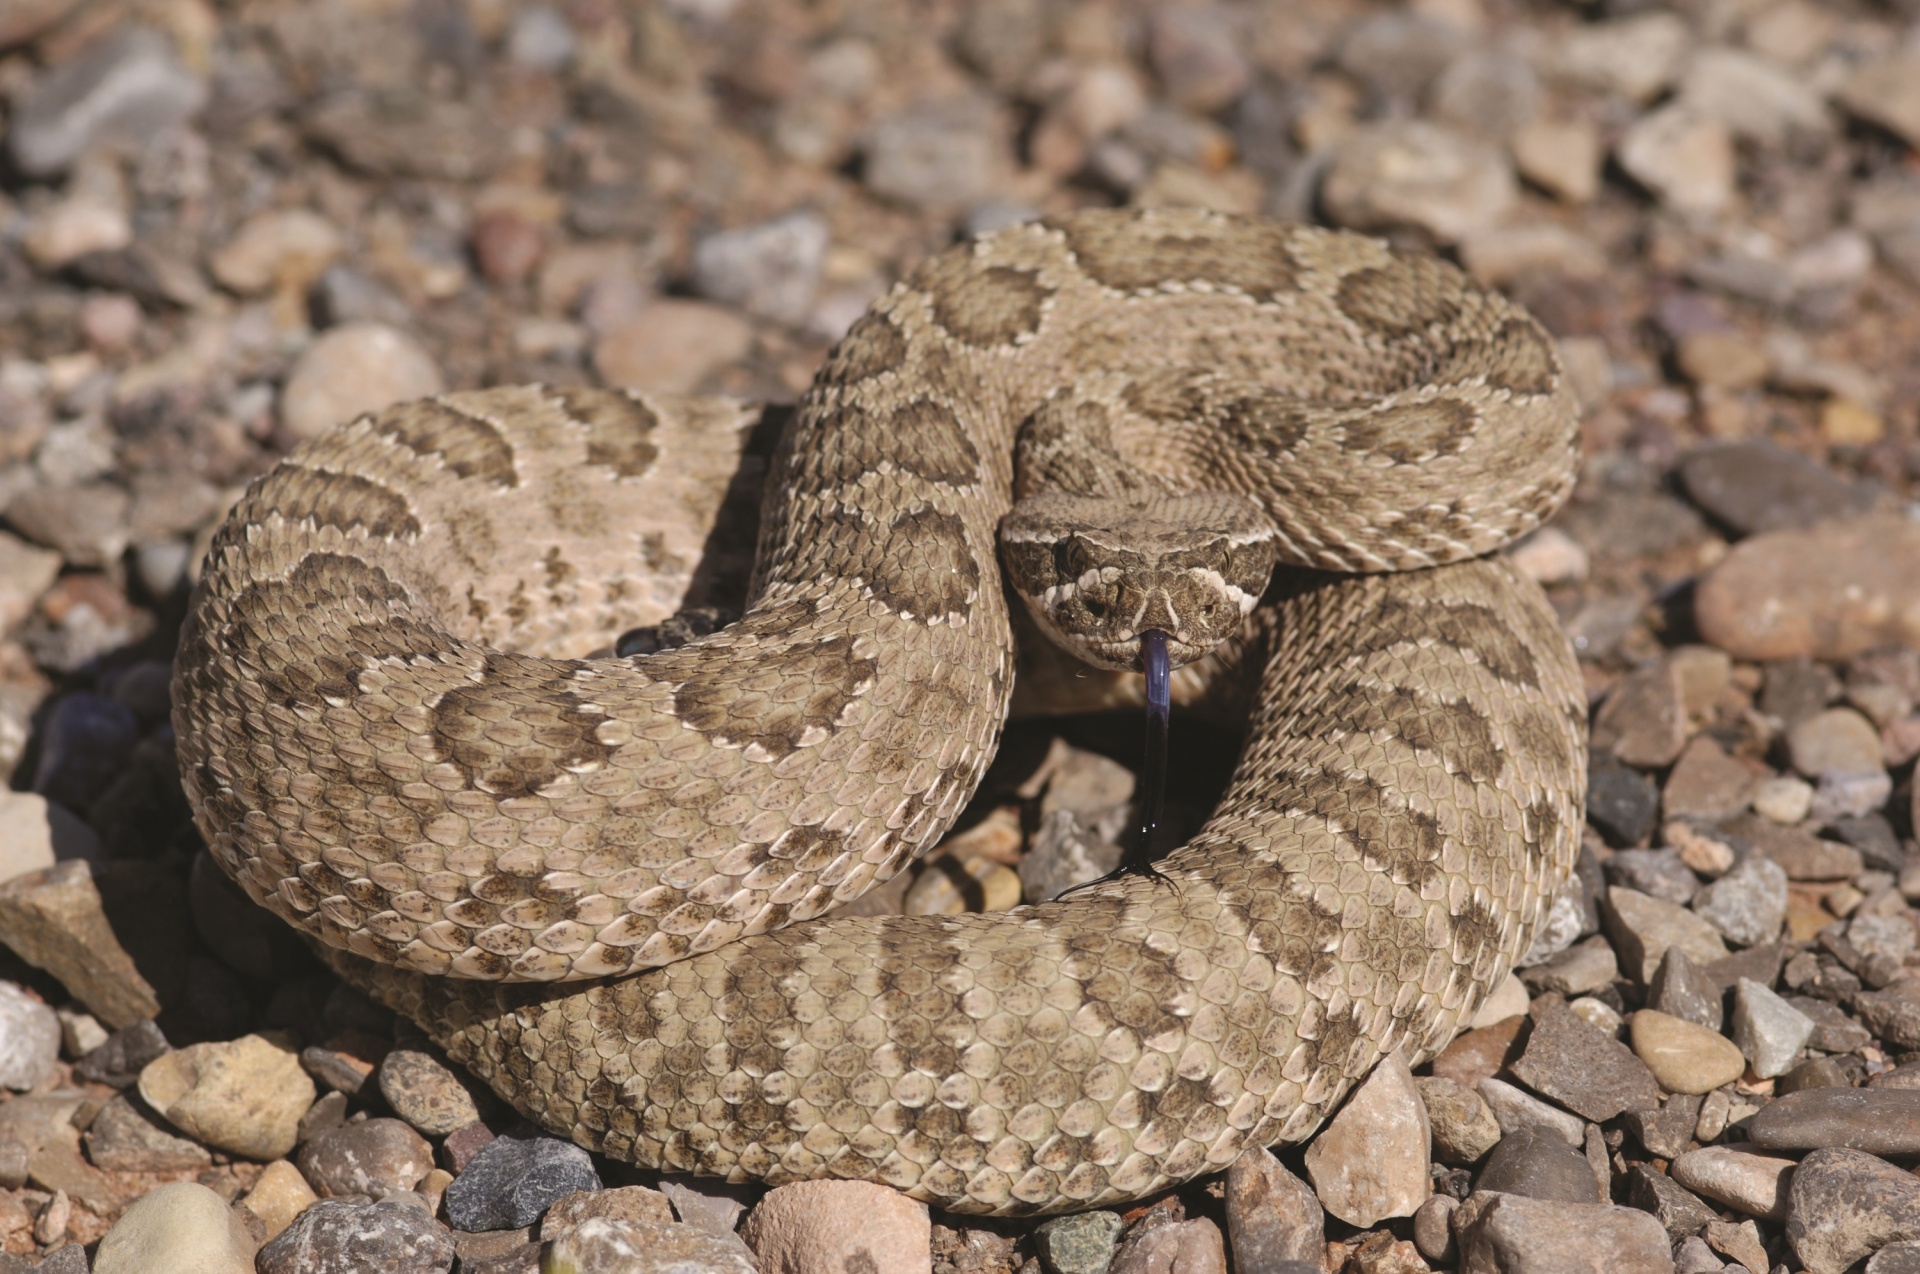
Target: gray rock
(1272, 1215)
(713, 1206)
(514, 1180)
(1667, 1130)
(129, 87)
(1893, 1014)
(1882, 937)
(29, 1039)
(1432, 1231)
(1637, 56)
(1643, 928)
(1574, 1063)
(1768, 1030)
(1397, 55)
(337, 1237)
(1680, 988)
(1845, 1204)
(1671, 1204)
(1821, 1072)
(1659, 873)
(1643, 723)
(1692, 1256)
(1580, 969)
(1513, 1109)
(1516, 1235)
(1065, 852)
(1622, 803)
(772, 269)
(1758, 99)
(1879, 1121)
(87, 523)
(944, 156)
(1706, 783)
(1081, 1244)
(1198, 56)
(374, 1157)
(1849, 794)
(1488, 93)
(1748, 904)
(120, 1060)
(127, 1137)
(1758, 485)
(1539, 1165)
(1802, 855)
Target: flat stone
(1582, 968)
(1684, 1056)
(1578, 1066)
(599, 1245)
(1410, 173)
(1679, 1213)
(29, 1039)
(372, 1157)
(1516, 1235)
(245, 1095)
(1895, 1258)
(57, 1166)
(1658, 873)
(1539, 1165)
(713, 1206)
(1463, 1127)
(1684, 158)
(672, 346)
(425, 1093)
(407, 134)
(1880, 1121)
(514, 1180)
(1644, 927)
(1748, 904)
(128, 86)
(623, 1203)
(1081, 1244)
(55, 920)
(1757, 486)
(1742, 1180)
(1706, 783)
(178, 1227)
(352, 370)
(127, 1137)
(1844, 1205)
(1514, 1109)
(1272, 1215)
(1370, 1161)
(1892, 1014)
(1682, 989)
(1800, 854)
(1767, 1029)
(336, 1236)
(1642, 721)
(1825, 592)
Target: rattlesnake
(390, 739)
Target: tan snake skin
(388, 741)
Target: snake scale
(393, 736)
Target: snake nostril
(1096, 606)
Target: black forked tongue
(1153, 775)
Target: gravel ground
(225, 226)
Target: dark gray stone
(1621, 802)
(1681, 989)
(1539, 1165)
(126, 1053)
(1758, 485)
(1578, 1065)
(1671, 1203)
(515, 1180)
(1659, 872)
(1879, 1121)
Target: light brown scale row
(391, 738)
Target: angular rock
(335, 1236)
(278, 1196)
(1766, 1028)
(127, 1137)
(1409, 173)
(1678, 1212)
(1370, 1161)
(1180, 1245)
(1800, 854)
(771, 270)
(1680, 988)
(246, 1095)
(1622, 803)
(514, 1180)
(1513, 1109)
(372, 1157)
(1539, 1165)
(1643, 722)
(119, 1061)
(1893, 1014)
(1081, 1244)
(1581, 1068)
(1658, 873)
(1515, 1235)
(1643, 927)
(29, 1039)
(1464, 1128)
(1748, 904)
(1757, 485)
(129, 86)
(1665, 1131)
(1272, 1215)
(55, 920)
(1845, 1204)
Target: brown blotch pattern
(925, 566)
(262, 623)
(470, 445)
(747, 702)
(1518, 358)
(1411, 295)
(986, 307)
(619, 429)
(345, 501)
(1461, 625)
(1413, 432)
(874, 345)
(920, 436)
(1403, 842)
(518, 728)
(1247, 257)
(1453, 729)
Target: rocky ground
(225, 226)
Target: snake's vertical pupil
(1154, 662)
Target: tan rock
(182, 1227)
(832, 1225)
(672, 346)
(1824, 592)
(278, 1196)
(1371, 1160)
(245, 1096)
(1684, 1056)
(287, 247)
(1757, 1185)
(54, 920)
(351, 370)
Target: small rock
(1706, 783)
(1464, 1128)
(1065, 852)
(286, 248)
(55, 920)
(1894, 1013)
(1578, 1066)
(1741, 1242)
(1681, 989)
(128, 87)
(1767, 1029)
(1082, 1244)
(672, 345)
(1432, 1230)
(278, 1196)
(1637, 57)
(245, 1096)
(1513, 1110)
(1409, 173)
(29, 1039)
(77, 227)
(1644, 927)
(1539, 1165)
(1786, 800)
(945, 155)
(599, 1245)
(352, 370)
(1802, 855)
(373, 1157)
(623, 1203)
(839, 1224)
(1507, 1232)
(1716, 358)
(1895, 1258)
(1882, 91)
(1684, 1056)
(1643, 721)
(125, 1137)
(1550, 556)
(507, 246)
(1666, 1131)
(86, 523)
(771, 270)
(1685, 159)
(1370, 1161)
(540, 39)
(406, 134)
(1833, 1030)
(176, 1227)
(1397, 55)
(1198, 57)
(515, 1179)
(425, 1093)
(1827, 592)
(1193, 1245)
(1562, 157)
(1880, 1121)
(1744, 1181)
(1757, 486)
(1748, 904)
(1272, 1215)
(335, 1236)
(1838, 739)
(1622, 803)
(706, 1205)
(1584, 967)
(1659, 873)
(1845, 1204)
(1483, 1051)
(1494, 95)
(119, 1061)
(1679, 1213)
(1509, 999)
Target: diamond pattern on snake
(596, 881)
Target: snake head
(1098, 571)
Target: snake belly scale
(388, 737)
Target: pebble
(1082, 1244)
(1826, 592)
(1681, 989)
(1637, 57)
(1685, 159)
(1844, 1204)
(1550, 556)
(1748, 904)
(1800, 854)
(1370, 1161)
(182, 1226)
(1723, 358)
(708, 1205)
(1432, 1230)
(25, 573)
(1563, 157)
(76, 227)
(1514, 1109)
(351, 370)
(287, 248)
(1665, 1131)
(1767, 1029)
(85, 523)
(1580, 1067)
(1895, 1258)
(599, 1245)
(55, 920)
(278, 1196)
(1660, 873)
(128, 86)
(1643, 722)
(623, 1203)
(1755, 486)
(1684, 1056)
(1516, 1235)
(1410, 173)
(1786, 800)
(1539, 1165)
(771, 270)
(1644, 927)
(1893, 1014)
(425, 1093)
(1065, 852)
(1622, 803)
(1198, 56)
(245, 1096)
(672, 346)
(945, 155)
(540, 39)
(1882, 937)
(372, 1157)
(1463, 1127)
(1838, 739)
(1486, 92)
(29, 1039)
(1583, 967)
(1272, 1215)
(1746, 1182)
(1706, 783)
(1880, 1121)
(1509, 999)
(126, 1137)
(515, 1179)
(1843, 794)
(507, 245)
(126, 1052)
(1181, 1246)
(1680, 1214)
(338, 1237)
(1833, 1030)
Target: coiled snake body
(387, 740)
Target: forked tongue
(1153, 777)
